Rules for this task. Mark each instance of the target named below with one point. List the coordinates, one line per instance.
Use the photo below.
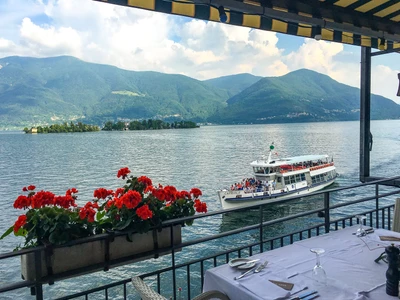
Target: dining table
(348, 261)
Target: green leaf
(189, 222)
(100, 215)
(9, 230)
(21, 232)
(123, 225)
(53, 238)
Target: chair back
(145, 292)
(396, 216)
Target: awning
(369, 23)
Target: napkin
(266, 290)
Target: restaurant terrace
(374, 26)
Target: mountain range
(42, 91)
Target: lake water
(210, 157)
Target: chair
(149, 294)
(396, 216)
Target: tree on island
(65, 127)
(147, 125)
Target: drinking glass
(318, 273)
(360, 231)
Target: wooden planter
(89, 254)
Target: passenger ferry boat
(277, 179)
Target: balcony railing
(242, 232)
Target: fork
(262, 266)
(258, 269)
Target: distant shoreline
(20, 129)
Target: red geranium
(196, 192)
(145, 180)
(42, 198)
(160, 194)
(118, 203)
(21, 221)
(201, 207)
(88, 212)
(102, 193)
(64, 201)
(119, 192)
(131, 199)
(22, 202)
(144, 212)
(123, 172)
(137, 206)
(183, 195)
(72, 191)
(170, 193)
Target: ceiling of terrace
(370, 23)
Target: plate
(235, 261)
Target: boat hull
(239, 198)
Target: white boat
(280, 178)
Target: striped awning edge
(356, 22)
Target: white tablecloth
(348, 261)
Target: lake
(209, 157)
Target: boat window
(287, 180)
(297, 177)
(278, 179)
(258, 170)
(292, 179)
(303, 177)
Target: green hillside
(301, 96)
(41, 91)
(234, 84)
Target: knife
(305, 296)
(243, 263)
(245, 273)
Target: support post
(327, 212)
(365, 113)
(261, 229)
(38, 288)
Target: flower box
(92, 255)
(57, 223)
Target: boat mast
(270, 152)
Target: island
(63, 128)
(147, 125)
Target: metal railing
(182, 272)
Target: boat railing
(214, 239)
(321, 166)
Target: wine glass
(318, 273)
(360, 231)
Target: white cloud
(315, 55)
(140, 40)
(384, 81)
(48, 41)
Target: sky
(140, 40)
